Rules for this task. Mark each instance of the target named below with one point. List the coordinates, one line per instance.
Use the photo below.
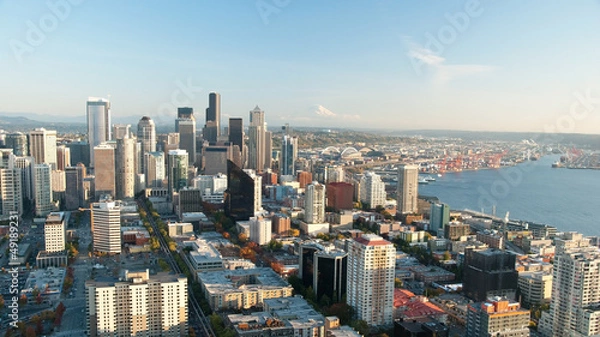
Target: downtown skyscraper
(42, 146)
(98, 123)
(314, 205)
(212, 128)
(408, 189)
(259, 153)
(185, 125)
(289, 154)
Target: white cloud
(444, 72)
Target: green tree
(361, 326)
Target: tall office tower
(58, 186)
(324, 268)
(138, 305)
(439, 217)
(170, 142)
(330, 274)
(335, 174)
(42, 146)
(11, 192)
(243, 197)
(105, 170)
(125, 168)
(80, 152)
(212, 128)
(236, 132)
(74, 192)
(120, 130)
(268, 148)
(497, 317)
(146, 134)
(154, 168)
(43, 189)
(314, 205)
(408, 188)
(289, 154)
(256, 140)
(575, 304)
(98, 122)
(55, 232)
(17, 141)
(63, 157)
(372, 190)
(260, 230)
(185, 125)
(489, 272)
(371, 265)
(339, 196)
(106, 226)
(177, 167)
(26, 165)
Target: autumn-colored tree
(242, 237)
(39, 328)
(1, 302)
(23, 300)
(226, 235)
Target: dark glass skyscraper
(185, 125)
(489, 272)
(241, 193)
(236, 132)
(212, 128)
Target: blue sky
(515, 65)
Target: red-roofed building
(402, 297)
(417, 308)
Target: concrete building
(281, 224)
(55, 232)
(154, 168)
(408, 188)
(120, 130)
(372, 190)
(146, 134)
(575, 304)
(63, 157)
(11, 191)
(314, 205)
(125, 168)
(497, 317)
(104, 170)
(242, 288)
(17, 141)
(493, 239)
(140, 305)
(260, 230)
(74, 193)
(99, 123)
(535, 287)
(202, 257)
(371, 264)
(106, 226)
(42, 146)
(455, 230)
(43, 189)
(257, 149)
(180, 229)
(185, 125)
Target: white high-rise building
(55, 232)
(210, 183)
(260, 230)
(98, 122)
(314, 204)
(257, 190)
(258, 158)
(42, 146)
(372, 190)
(139, 305)
(11, 191)
(408, 189)
(575, 305)
(43, 189)
(120, 130)
(125, 167)
(146, 134)
(106, 226)
(371, 266)
(154, 168)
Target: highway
(194, 305)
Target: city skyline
(422, 66)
